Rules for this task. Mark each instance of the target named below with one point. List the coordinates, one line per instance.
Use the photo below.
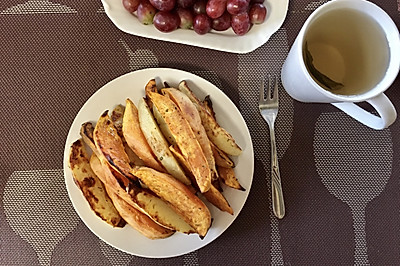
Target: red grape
(185, 3)
(222, 23)
(163, 5)
(257, 13)
(257, 1)
(202, 24)
(146, 12)
(215, 8)
(186, 18)
(131, 5)
(236, 7)
(240, 23)
(166, 21)
(199, 7)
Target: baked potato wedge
(110, 145)
(215, 197)
(92, 188)
(188, 205)
(135, 218)
(179, 157)
(218, 135)
(138, 220)
(228, 177)
(185, 139)
(191, 115)
(163, 126)
(135, 138)
(158, 143)
(145, 201)
(221, 158)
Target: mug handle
(382, 105)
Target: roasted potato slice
(117, 116)
(188, 205)
(218, 135)
(179, 157)
(221, 158)
(228, 177)
(91, 186)
(135, 218)
(138, 220)
(191, 115)
(135, 138)
(185, 139)
(163, 126)
(133, 158)
(158, 144)
(215, 197)
(110, 145)
(145, 201)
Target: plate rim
(68, 174)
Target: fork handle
(278, 204)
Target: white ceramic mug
(319, 31)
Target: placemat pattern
(340, 178)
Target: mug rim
(392, 39)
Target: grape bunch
(200, 15)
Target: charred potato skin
(92, 188)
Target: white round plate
(131, 86)
(226, 41)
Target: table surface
(340, 178)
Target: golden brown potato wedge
(91, 186)
(228, 177)
(133, 158)
(191, 115)
(221, 158)
(158, 143)
(110, 145)
(138, 220)
(135, 218)
(179, 157)
(163, 126)
(135, 138)
(117, 117)
(215, 197)
(218, 135)
(145, 201)
(188, 205)
(185, 139)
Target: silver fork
(269, 110)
